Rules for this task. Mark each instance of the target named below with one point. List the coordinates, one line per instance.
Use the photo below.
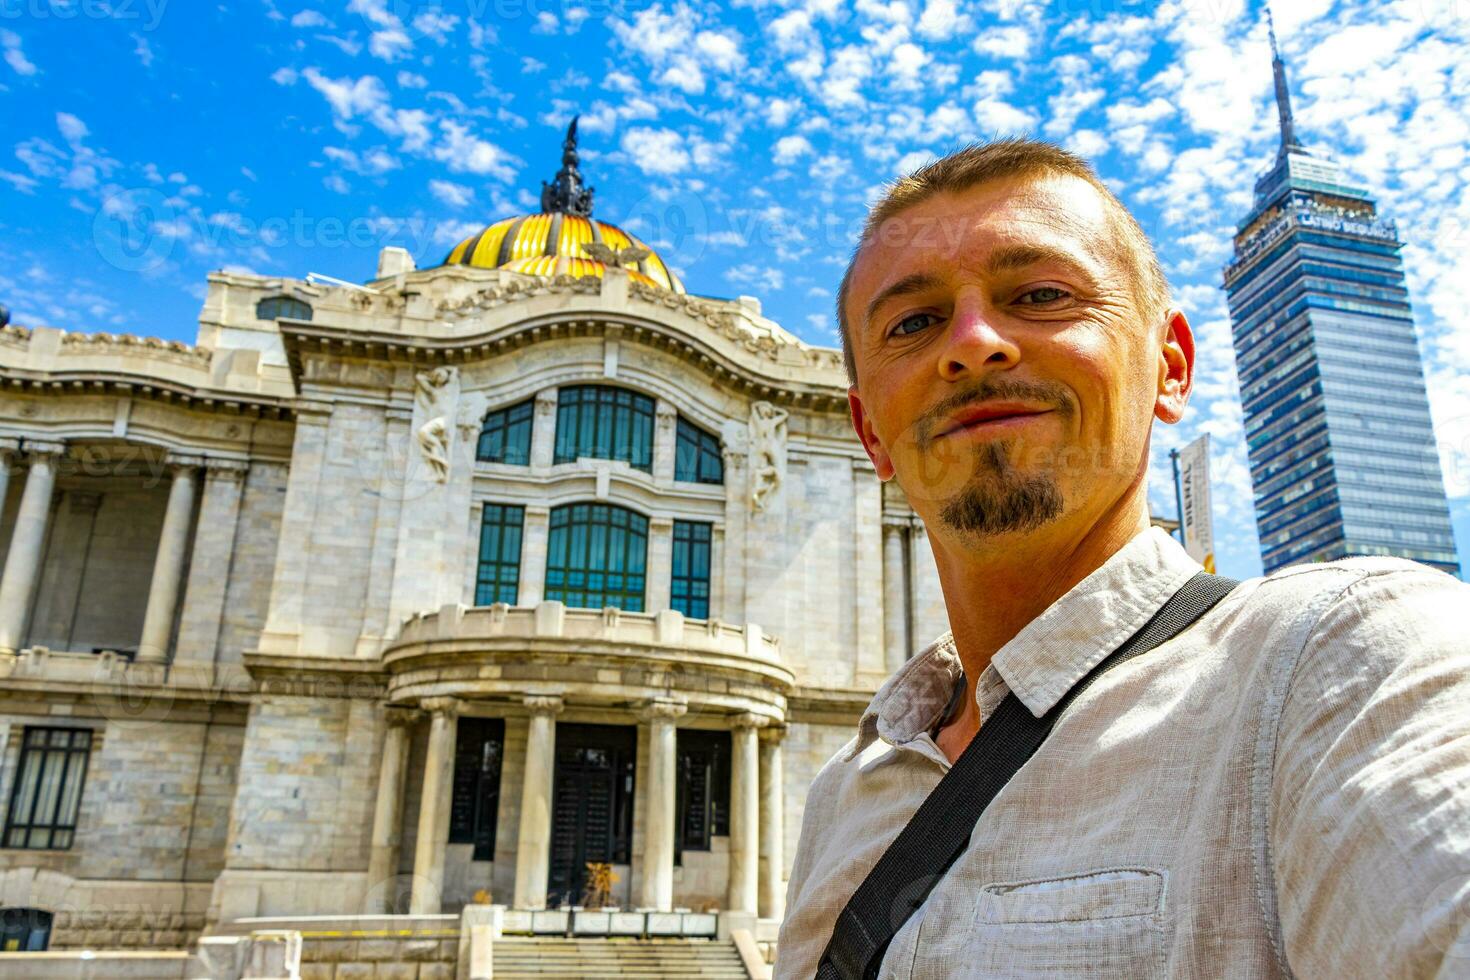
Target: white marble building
(384, 597)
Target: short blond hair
(1016, 157)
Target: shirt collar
(1051, 653)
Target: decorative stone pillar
(534, 534)
(168, 567)
(8, 451)
(214, 539)
(533, 849)
(23, 561)
(543, 430)
(666, 419)
(660, 568)
(895, 598)
(772, 897)
(661, 715)
(744, 814)
(433, 830)
(388, 813)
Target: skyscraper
(1342, 451)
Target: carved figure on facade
(767, 451)
(433, 435)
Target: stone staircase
(573, 959)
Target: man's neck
(993, 590)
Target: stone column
(534, 534)
(772, 898)
(658, 834)
(895, 598)
(388, 813)
(8, 449)
(168, 567)
(666, 418)
(744, 814)
(533, 849)
(543, 430)
(214, 540)
(660, 564)
(23, 561)
(433, 831)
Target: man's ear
(864, 427)
(1176, 368)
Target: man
(1282, 788)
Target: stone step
(656, 959)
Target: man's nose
(976, 342)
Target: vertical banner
(1194, 502)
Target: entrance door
(592, 804)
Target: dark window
(48, 788)
(689, 590)
(505, 436)
(697, 456)
(703, 792)
(604, 423)
(595, 556)
(24, 930)
(499, 576)
(478, 747)
(282, 307)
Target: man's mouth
(990, 417)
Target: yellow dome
(551, 244)
(564, 239)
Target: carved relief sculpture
(767, 449)
(433, 435)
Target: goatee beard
(998, 500)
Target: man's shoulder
(1362, 615)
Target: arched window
(278, 307)
(697, 456)
(604, 423)
(24, 930)
(596, 555)
(505, 435)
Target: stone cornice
(794, 379)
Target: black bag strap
(939, 831)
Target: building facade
(1341, 445)
(398, 596)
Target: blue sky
(147, 142)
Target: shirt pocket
(1103, 923)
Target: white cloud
(789, 149)
(349, 97)
(408, 79)
(452, 194)
(464, 152)
(997, 117)
(15, 57)
(656, 151)
(941, 19)
(142, 50)
(1003, 42)
(310, 18)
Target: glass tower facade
(1342, 451)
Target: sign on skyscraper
(1195, 523)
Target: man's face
(1005, 375)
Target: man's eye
(1042, 294)
(913, 323)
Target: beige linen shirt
(1284, 788)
